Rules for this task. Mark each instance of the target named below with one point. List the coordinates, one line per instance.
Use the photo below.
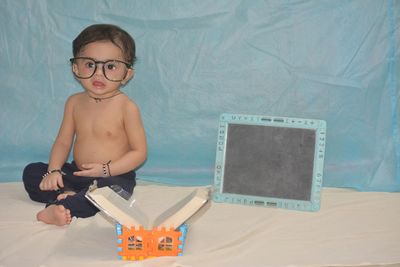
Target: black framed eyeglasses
(113, 70)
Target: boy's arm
(60, 150)
(137, 141)
(130, 160)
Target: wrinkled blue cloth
(332, 60)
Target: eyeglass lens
(113, 70)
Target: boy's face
(98, 85)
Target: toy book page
(117, 208)
(176, 215)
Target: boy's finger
(54, 185)
(78, 173)
(61, 183)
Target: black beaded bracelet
(53, 171)
(106, 169)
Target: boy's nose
(99, 70)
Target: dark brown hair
(106, 32)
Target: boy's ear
(75, 69)
(129, 75)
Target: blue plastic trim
(319, 154)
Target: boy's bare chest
(99, 122)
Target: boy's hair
(106, 32)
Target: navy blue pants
(78, 204)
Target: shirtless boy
(102, 125)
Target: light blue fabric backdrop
(331, 60)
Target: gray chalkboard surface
(270, 161)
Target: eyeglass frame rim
(128, 65)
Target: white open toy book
(126, 210)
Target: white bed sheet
(351, 229)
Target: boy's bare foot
(55, 214)
(65, 194)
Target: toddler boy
(101, 124)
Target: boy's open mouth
(98, 84)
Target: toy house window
(165, 243)
(135, 243)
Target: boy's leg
(32, 176)
(127, 181)
(78, 205)
(52, 214)
(81, 207)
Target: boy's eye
(111, 66)
(90, 64)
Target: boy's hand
(91, 170)
(50, 182)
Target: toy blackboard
(270, 161)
